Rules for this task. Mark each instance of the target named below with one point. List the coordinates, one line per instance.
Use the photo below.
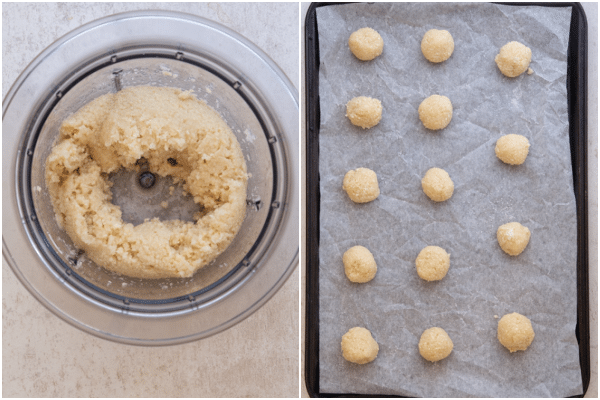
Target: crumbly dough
(513, 59)
(364, 111)
(365, 44)
(512, 149)
(113, 132)
(437, 45)
(437, 184)
(435, 344)
(513, 238)
(515, 332)
(358, 346)
(359, 264)
(435, 112)
(432, 263)
(361, 185)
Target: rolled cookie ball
(437, 45)
(359, 264)
(361, 185)
(435, 344)
(358, 346)
(435, 112)
(437, 184)
(432, 263)
(513, 238)
(513, 59)
(365, 44)
(515, 332)
(512, 149)
(364, 111)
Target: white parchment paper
(483, 283)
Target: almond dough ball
(364, 111)
(512, 149)
(513, 238)
(435, 344)
(358, 346)
(437, 45)
(361, 185)
(435, 112)
(437, 184)
(513, 59)
(432, 263)
(359, 264)
(515, 332)
(365, 44)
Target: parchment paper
(483, 282)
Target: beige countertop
(44, 356)
(591, 10)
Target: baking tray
(577, 107)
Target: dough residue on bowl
(176, 135)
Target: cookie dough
(159, 125)
(513, 59)
(359, 264)
(435, 112)
(512, 149)
(513, 238)
(358, 346)
(437, 45)
(364, 111)
(435, 344)
(432, 263)
(361, 185)
(437, 184)
(515, 332)
(366, 44)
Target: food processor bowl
(235, 78)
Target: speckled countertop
(591, 10)
(43, 356)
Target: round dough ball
(361, 185)
(359, 264)
(365, 44)
(515, 332)
(433, 263)
(437, 184)
(435, 112)
(512, 149)
(513, 238)
(358, 346)
(364, 111)
(513, 59)
(435, 344)
(437, 45)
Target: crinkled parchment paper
(483, 283)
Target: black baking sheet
(577, 105)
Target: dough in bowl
(175, 134)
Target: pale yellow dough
(437, 184)
(435, 344)
(113, 132)
(435, 112)
(358, 346)
(513, 59)
(513, 238)
(512, 149)
(437, 45)
(515, 332)
(361, 185)
(432, 263)
(359, 264)
(365, 44)
(364, 111)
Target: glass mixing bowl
(236, 79)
